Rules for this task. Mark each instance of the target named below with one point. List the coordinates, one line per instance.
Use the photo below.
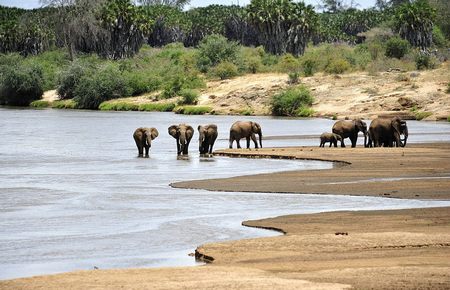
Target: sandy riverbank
(374, 249)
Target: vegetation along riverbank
(347, 62)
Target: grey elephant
(387, 132)
(143, 138)
(350, 129)
(245, 129)
(183, 134)
(329, 137)
(207, 137)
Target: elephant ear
(199, 127)
(256, 127)
(173, 131)
(190, 130)
(395, 123)
(154, 133)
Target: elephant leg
(335, 143)
(342, 143)
(331, 143)
(248, 142)
(139, 146)
(186, 148)
(254, 141)
(238, 143)
(321, 144)
(178, 147)
(354, 139)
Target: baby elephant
(329, 137)
(143, 138)
(207, 137)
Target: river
(74, 195)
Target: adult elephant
(207, 137)
(143, 138)
(387, 132)
(350, 129)
(183, 134)
(245, 129)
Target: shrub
(309, 67)
(188, 97)
(288, 63)
(118, 106)
(64, 104)
(214, 49)
(422, 115)
(293, 78)
(438, 37)
(69, 79)
(159, 107)
(305, 112)
(375, 49)
(337, 66)
(193, 110)
(105, 85)
(425, 61)
(225, 70)
(448, 118)
(138, 83)
(291, 102)
(40, 104)
(20, 85)
(396, 47)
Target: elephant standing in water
(207, 137)
(387, 131)
(143, 138)
(241, 129)
(350, 129)
(183, 134)
(329, 137)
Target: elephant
(183, 134)
(329, 137)
(207, 137)
(245, 129)
(387, 132)
(143, 138)
(350, 129)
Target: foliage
(193, 110)
(106, 84)
(20, 85)
(293, 78)
(69, 79)
(118, 106)
(337, 66)
(64, 104)
(188, 97)
(414, 22)
(438, 37)
(305, 112)
(225, 70)
(396, 47)
(160, 107)
(288, 63)
(39, 104)
(283, 25)
(292, 101)
(420, 115)
(308, 67)
(425, 61)
(215, 49)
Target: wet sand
(369, 249)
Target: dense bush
(106, 84)
(337, 66)
(118, 106)
(291, 102)
(160, 107)
(69, 80)
(396, 47)
(193, 110)
(188, 97)
(425, 61)
(438, 37)
(20, 85)
(39, 104)
(214, 49)
(225, 70)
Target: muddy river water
(74, 195)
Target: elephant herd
(382, 132)
(183, 134)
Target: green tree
(284, 26)
(414, 22)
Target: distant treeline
(117, 29)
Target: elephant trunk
(405, 133)
(260, 139)
(365, 139)
(149, 140)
